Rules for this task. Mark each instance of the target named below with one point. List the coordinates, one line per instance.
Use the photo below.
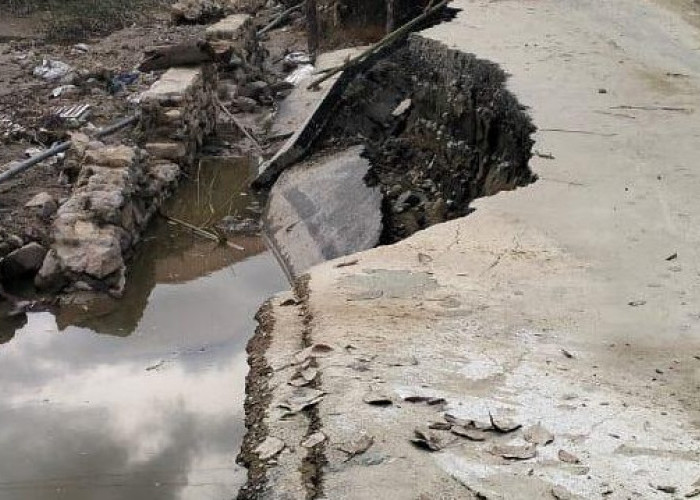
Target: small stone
(270, 448)
(427, 440)
(538, 435)
(515, 452)
(567, 457)
(357, 446)
(377, 399)
(314, 440)
(666, 488)
(469, 433)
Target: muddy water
(141, 398)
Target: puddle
(142, 398)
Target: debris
(313, 351)
(77, 114)
(637, 303)
(388, 40)
(424, 258)
(184, 54)
(440, 426)
(427, 440)
(377, 399)
(304, 377)
(567, 353)
(289, 302)
(538, 435)
(314, 440)
(471, 434)
(156, 366)
(546, 156)
(300, 74)
(561, 493)
(567, 457)
(504, 427)
(665, 488)
(81, 47)
(269, 448)
(356, 447)
(52, 70)
(348, 263)
(654, 108)
(64, 90)
(430, 400)
(515, 452)
(302, 398)
(402, 108)
(280, 18)
(294, 59)
(672, 257)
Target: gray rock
(23, 261)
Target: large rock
(111, 156)
(24, 261)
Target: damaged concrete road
(521, 311)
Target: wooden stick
(238, 124)
(384, 42)
(202, 232)
(279, 19)
(312, 27)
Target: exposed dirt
(437, 136)
(258, 397)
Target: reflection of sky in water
(155, 415)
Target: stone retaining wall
(178, 112)
(118, 191)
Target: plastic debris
(300, 74)
(52, 70)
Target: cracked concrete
(571, 303)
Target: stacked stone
(235, 35)
(116, 194)
(177, 113)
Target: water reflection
(153, 410)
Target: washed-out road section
(571, 303)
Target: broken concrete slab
(304, 113)
(529, 279)
(322, 209)
(229, 28)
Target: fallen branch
(220, 239)
(384, 42)
(238, 124)
(279, 19)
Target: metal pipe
(63, 146)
